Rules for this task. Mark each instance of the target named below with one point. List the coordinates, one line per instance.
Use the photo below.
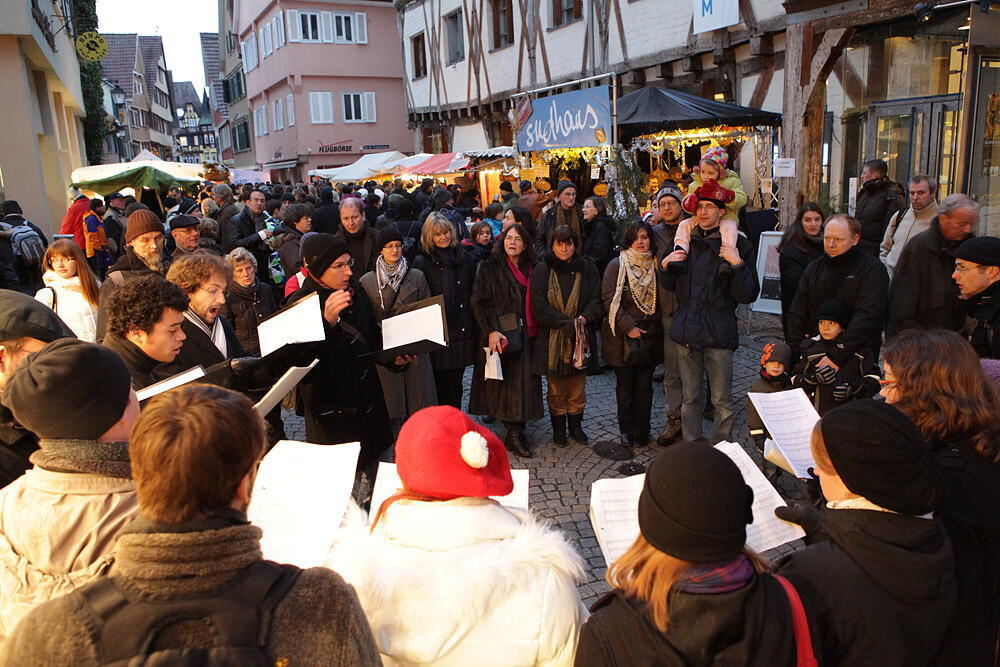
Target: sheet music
(774, 455)
(387, 483)
(281, 388)
(789, 417)
(413, 327)
(300, 323)
(182, 378)
(767, 531)
(299, 499)
(614, 513)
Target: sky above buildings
(178, 22)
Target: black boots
(576, 428)
(671, 432)
(559, 430)
(516, 442)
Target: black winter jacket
(706, 312)
(881, 588)
(16, 446)
(857, 280)
(289, 244)
(792, 263)
(140, 365)
(858, 371)
(598, 245)
(242, 232)
(461, 332)
(326, 218)
(878, 200)
(765, 384)
(551, 319)
(984, 331)
(246, 307)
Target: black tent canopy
(650, 110)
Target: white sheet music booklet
(789, 417)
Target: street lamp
(118, 95)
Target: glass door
(984, 160)
(943, 153)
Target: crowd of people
(123, 529)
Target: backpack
(27, 244)
(410, 245)
(125, 623)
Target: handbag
(639, 351)
(510, 327)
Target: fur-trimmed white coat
(464, 582)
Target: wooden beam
(761, 45)
(763, 85)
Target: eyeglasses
(963, 269)
(888, 384)
(215, 291)
(340, 266)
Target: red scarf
(529, 313)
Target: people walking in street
(493, 216)
(360, 239)
(222, 195)
(878, 202)
(565, 211)
(97, 251)
(449, 271)
(115, 222)
(689, 591)
(27, 244)
(502, 308)
(631, 331)
(392, 286)
(248, 300)
(668, 201)
(922, 293)
(440, 537)
(72, 222)
(977, 274)
(248, 229)
(597, 225)
(566, 299)
(507, 197)
(326, 218)
(71, 288)
(800, 244)
(444, 204)
(910, 221)
(298, 220)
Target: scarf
(571, 217)
(529, 312)
(217, 334)
(448, 259)
(389, 275)
(109, 459)
(560, 355)
(639, 268)
(713, 578)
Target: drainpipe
(532, 35)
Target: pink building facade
(324, 80)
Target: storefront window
(984, 165)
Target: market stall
(145, 171)
(362, 169)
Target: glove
(807, 516)
(814, 491)
(712, 190)
(690, 203)
(249, 374)
(825, 374)
(758, 442)
(846, 391)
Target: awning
(157, 174)
(469, 138)
(495, 152)
(363, 168)
(284, 164)
(443, 163)
(653, 109)
(241, 176)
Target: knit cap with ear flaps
(442, 453)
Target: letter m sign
(714, 14)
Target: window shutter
(326, 27)
(360, 28)
(269, 37)
(328, 106)
(338, 29)
(369, 107)
(290, 111)
(278, 115)
(279, 30)
(294, 27)
(259, 48)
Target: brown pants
(567, 394)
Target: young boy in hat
(828, 387)
(774, 365)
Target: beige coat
(57, 532)
(901, 230)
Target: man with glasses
(977, 274)
(248, 229)
(923, 294)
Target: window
(249, 48)
(359, 107)
(350, 28)
(161, 75)
(233, 87)
(266, 41)
(230, 42)
(456, 37)
(290, 111)
(419, 56)
(260, 121)
(320, 108)
(241, 135)
(566, 11)
(278, 115)
(183, 141)
(138, 84)
(503, 23)
(278, 28)
(309, 26)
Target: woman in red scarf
(501, 305)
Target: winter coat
(765, 384)
(533, 201)
(199, 350)
(731, 181)
(628, 316)
(792, 263)
(364, 257)
(878, 201)
(476, 251)
(57, 532)
(547, 225)
(664, 235)
(749, 626)
(508, 580)
(65, 296)
(857, 280)
(551, 319)
(243, 232)
(905, 225)
(317, 622)
(457, 221)
(226, 212)
(72, 222)
(29, 275)
(461, 334)
(341, 399)
(289, 245)
(706, 312)
(245, 307)
(922, 294)
(408, 391)
(518, 397)
(115, 222)
(598, 245)
(859, 369)
(326, 218)
(984, 312)
(140, 365)
(129, 266)
(881, 589)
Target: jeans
(671, 371)
(719, 365)
(634, 391)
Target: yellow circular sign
(91, 46)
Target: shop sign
(570, 120)
(376, 147)
(345, 146)
(715, 14)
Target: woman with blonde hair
(71, 288)
(689, 591)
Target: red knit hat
(443, 454)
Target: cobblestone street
(561, 478)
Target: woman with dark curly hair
(934, 377)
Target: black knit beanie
(695, 505)
(835, 311)
(881, 455)
(69, 390)
(319, 251)
(563, 184)
(983, 250)
(388, 235)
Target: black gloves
(847, 391)
(825, 374)
(807, 516)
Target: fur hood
(494, 587)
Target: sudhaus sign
(569, 120)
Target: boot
(515, 441)
(576, 428)
(559, 430)
(671, 431)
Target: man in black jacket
(977, 273)
(359, 237)
(922, 294)
(248, 229)
(704, 326)
(849, 275)
(326, 218)
(880, 198)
